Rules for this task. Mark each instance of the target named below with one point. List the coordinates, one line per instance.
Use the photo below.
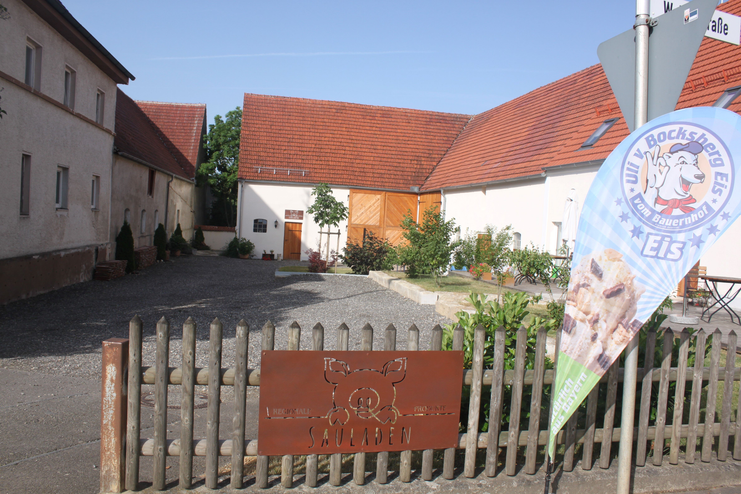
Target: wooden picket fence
(512, 448)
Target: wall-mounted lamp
(276, 223)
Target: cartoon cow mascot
(671, 176)
(368, 393)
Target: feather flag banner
(658, 202)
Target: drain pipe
(167, 199)
(240, 194)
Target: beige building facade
(59, 95)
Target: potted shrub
(245, 248)
(480, 271)
(125, 247)
(160, 241)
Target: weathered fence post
(725, 414)
(646, 387)
(134, 407)
(436, 344)
(708, 435)
(666, 364)
(113, 416)
(335, 460)
(366, 345)
(535, 395)
(696, 395)
(449, 458)
(684, 347)
(262, 464)
(495, 404)
(516, 404)
(160, 403)
(472, 432)
(312, 461)
(240, 403)
(187, 401)
(214, 404)
(286, 470)
(382, 460)
(405, 458)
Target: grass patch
(305, 269)
(453, 283)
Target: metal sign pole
(631, 360)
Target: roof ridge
(347, 103)
(137, 101)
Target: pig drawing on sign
(367, 393)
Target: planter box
(486, 276)
(268, 257)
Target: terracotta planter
(508, 280)
(244, 256)
(267, 257)
(486, 276)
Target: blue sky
(455, 56)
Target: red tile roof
(184, 125)
(311, 141)
(546, 127)
(138, 137)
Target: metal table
(721, 301)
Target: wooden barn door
(292, 241)
(380, 213)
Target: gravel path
(61, 332)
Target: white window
(99, 106)
(127, 216)
(260, 225)
(33, 64)
(69, 88)
(25, 184)
(516, 241)
(62, 186)
(156, 219)
(95, 193)
(143, 222)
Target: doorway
(292, 241)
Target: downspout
(240, 195)
(167, 198)
(110, 204)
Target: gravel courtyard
(61, 332)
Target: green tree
(326, 209)
(429, 244)
(222, 165)
(125, 247)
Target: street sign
(672, 48)
(348, 402)
(723, 26)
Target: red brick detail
(145, 256)
(109, 270)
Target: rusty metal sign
(294, 214)
(347, 402)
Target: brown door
(292, 241)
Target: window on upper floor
(25, 184)
(69, 87)
(95, 193)
(33, 64)
(260, 226)
(150, 182)
(99, 106)
(727, 97)
(62, 186)
(604, 127)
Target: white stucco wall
(519, 204)
(181, 205)
(52, 136)
(269, 202)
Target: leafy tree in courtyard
(221, 166)
(429, 244)
(326, 209)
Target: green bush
(371, 255)
(125, 247)
(245, 247)
(464, 254)
(178, 231)
(232, 250)
(491, 315)
(199, 240)
(428, 244)
(160, 241)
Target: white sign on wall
(723, 26)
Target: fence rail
(684, 418)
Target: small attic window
(599, 132)
(727, 97)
